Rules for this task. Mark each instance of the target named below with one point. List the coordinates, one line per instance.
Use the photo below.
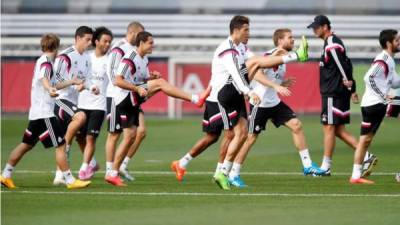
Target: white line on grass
(200, 194)
(210, 173)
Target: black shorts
(232, 104)
(372, 117)
(213, 118)
(94, 120)
(64, 111)
(393, 110)
(129, 112)
(113, 117)
(47, 130)
(279, 115)
(335, 110)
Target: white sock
(367, 155)
(69, 179)
(108, 167)
(219, 167)
(7, 172)
(113, 173)
(84, 167)
(124, 163)
(184, 161)
(357, 169)
(59, 175)
(235, 171)
(226, 167)
(93, 162)
(326, 163)
(67, 148)
(305, 158)
(195, 98)
(292, 56)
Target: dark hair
(279, 34)
(237, 22)
(82, 30)
(49, 42)
(142, 36)
(387, 36)
(99, 32)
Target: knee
(80, 116)
(297, 126)
(211, 138)
(229, 135)
(141, 133)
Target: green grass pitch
(277, 192)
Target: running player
(337, 87)
(94, 106)
(380, 77)
(72, 66)
(43, 125)
(272, 108)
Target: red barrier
(193, 78)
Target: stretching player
(94, 106)
(380, 77)
(231, 72)
(271, 107)
(43, 125)
(136, 84)
(72, 67)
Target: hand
(80, 87)
(348, 83)
(255, 99)
(155, 75)
(142, 92)
(289, 82)
(284, 91)
(53, 92)
(75, 80)
(389, 98)
(95, 90)
(354, 98)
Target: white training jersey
(98, 77)
(42, 104)
(269, 97)
(69, 64)
(226, 68)
(134, 70)
(380, 77)
(117, 52)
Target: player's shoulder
(68, 51)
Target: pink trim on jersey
(384, 65)
(28, 133)
(389, 110)
(130, 64)
(328, 48)
(118, 50)
(340, 113)
(123, 117)
(365, 125)
(44, 135)
(47, 65)
(215, 117)
(232, 114)
(227, 51)
(61, 114)
(68, 60)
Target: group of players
(112, 82)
